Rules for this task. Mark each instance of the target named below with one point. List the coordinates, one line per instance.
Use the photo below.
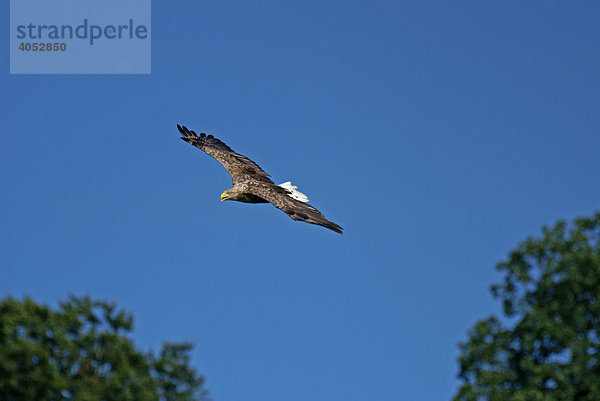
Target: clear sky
(438, 134)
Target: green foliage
(551, 348)
(81, 353)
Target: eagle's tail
(293, 192)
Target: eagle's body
(252, 185)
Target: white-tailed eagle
(252, 185)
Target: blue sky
(438, 134)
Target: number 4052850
(42, 47)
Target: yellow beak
(224, 196)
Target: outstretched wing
(295, 209)
(239, 167)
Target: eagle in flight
(252, 185)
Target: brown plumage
(251, 184)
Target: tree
(81, 353)
(548, 347)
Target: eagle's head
(227, 194)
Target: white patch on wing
(293, 192)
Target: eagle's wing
(295, 209)
(239, 167)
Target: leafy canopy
(81, 353)
(549, 346)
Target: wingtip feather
(336, 228)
